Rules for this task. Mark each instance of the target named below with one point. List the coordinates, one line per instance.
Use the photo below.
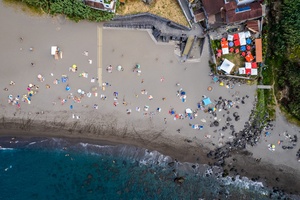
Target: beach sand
(160, 69)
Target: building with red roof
(225, 12)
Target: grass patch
(270, 104)
(168, 9)
(260, 112)
(236, 58)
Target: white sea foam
(6, 149)
(244, 183)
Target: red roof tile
(255, 12)
(258, 50)
(230, 6)
(212, 7)
(199, 15)
(253, 25)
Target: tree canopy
(285, 47)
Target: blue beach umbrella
(231, 44)
(68, 88)
(248, 41)
(243, 48)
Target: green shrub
(73, 9)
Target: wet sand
(46, 116)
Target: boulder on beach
(179, 180)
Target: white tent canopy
(227, 66)
(247, 34)
(242, 35)
(242, 41)
(242, 70)
(254, 72)
(225, 51)
(248, 65)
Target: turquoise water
(43, 169)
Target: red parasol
(248, 48)
(231, 50)
(235, 36)
(249, 58)
(254, 65)
(243, 54)
(237, 50)
(236, 43)
(248, 71)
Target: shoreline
(185, 153)
(278, 178)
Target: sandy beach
(127, 105)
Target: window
(242, 9)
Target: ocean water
(51, 168)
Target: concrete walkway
(99, 56)
(264, 87)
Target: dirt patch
(169, 9)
